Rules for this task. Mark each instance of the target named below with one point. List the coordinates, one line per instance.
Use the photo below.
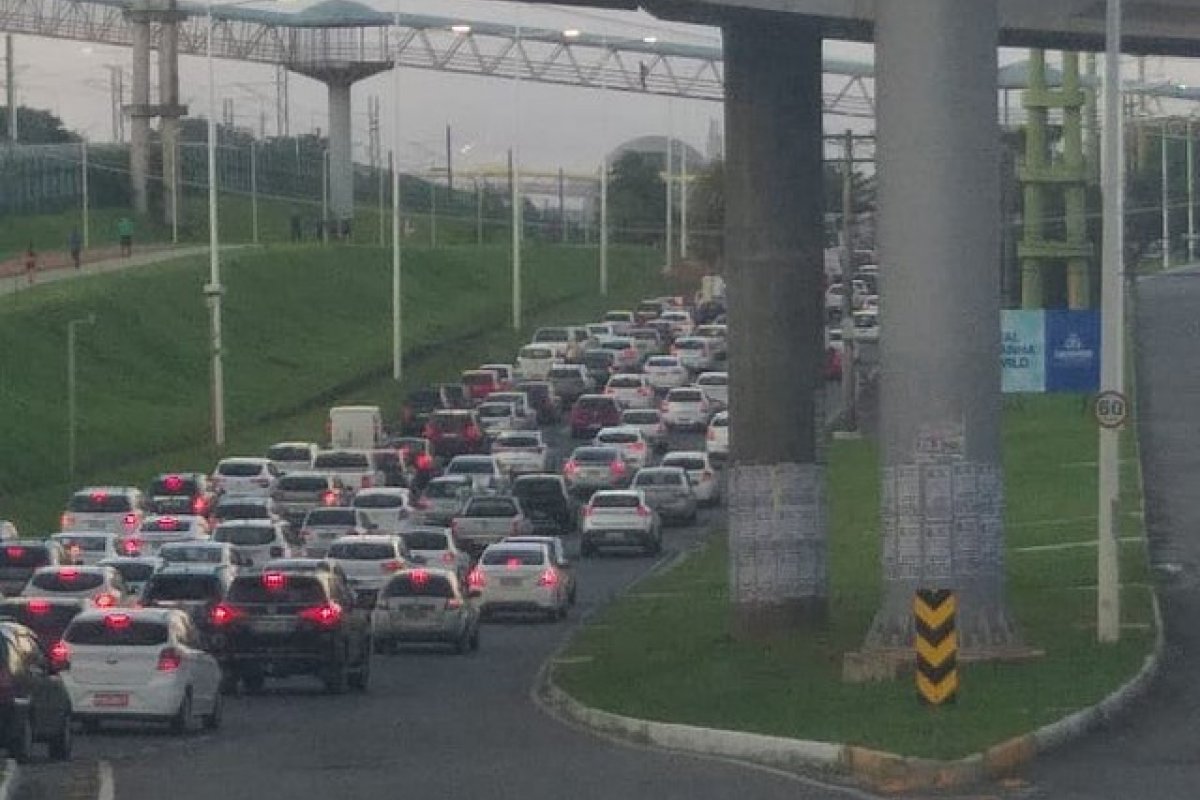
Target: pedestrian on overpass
(75, 245)
(125, 235)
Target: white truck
(355, 427)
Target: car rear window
(478, 378)
(689, 344)
(295, 589)
(99, 503)
(495, 410)
(167, 524)
(491, 507)
(450, 422)
(134, 633)
(419, 584)
(242, 511)
(619, 437)
(471, 466)
(289, 453)
(662, 361)
(244, 535)
(537, 352)
(518, 440)
(720, 422)
(342, 460)
(659, 478)
(602, 358)
(379, 501)
(239, 469)
(641, 417)
(184, 553)
(615, 501)
(90, 544)
(19, 555)
(67, 581)
(686, 396)
(690, 463)
(522, 557)
(303, 483)
(443, 489)
(331, 516)
(615, 344)
(362, 551)
(625, 382)
(539, 487)
(597, 403)
(564, 372)
(713, 380)
(425, 540)
(551, 335)
(595, 455)
(181, 587)
(134, 571)
(55, 615)
(173, 485)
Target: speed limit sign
(1112, 409)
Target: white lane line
(107, 790)
(1038, 523)
(1042, 548)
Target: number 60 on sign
(1112, 409)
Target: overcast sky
(559, 126)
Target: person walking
(125, 235)
(30, 264)
(75, 245)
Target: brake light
(104, 600)
(637, 447)
(68, 573)
(173, 483)
(132, 547)
(418, 577)
(617, 467)
(472, 432)
(223, 614)
(169, 660)
(167, 524)
(476, 579)
(513, 563)
(391, 566)
(38, 606)
(130, 521)
(199, 505)
(548, 578)
(118, 622)
(66, 521)
(274, 581)
(643, 511)
(424, 462)
(571, 467)
(60, 654)
(324, 616)
(98, 497)
(453, 604)
(330, 498)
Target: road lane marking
(1042, 548)
(104, 773)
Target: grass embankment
(304, 328)
(665, 652)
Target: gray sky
(558, 126)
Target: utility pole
(670, 232)
(432, 210)
(562, 208)
(604, 226)
(10, 76)
(849, 350)
(514, 180)
(281, 100)
(478, 214)
(116, 87)
(683, 203)
(449, 163)
(1166, 202)
(1191, 192)
(83, 158)
(253, 191)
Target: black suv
(181, 493)
(47, 617)
(34, 704)
(417, 407)
(281, 623)
(546, 501)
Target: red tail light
(131, 547)
(68, 574)
(199, 506)
(330, 498)
(274, 581)
(60, 654)
(325, 616)
(644, 391)
(548, 578)
(453, 604)
(99, 497)
(117, 621)
(223, 614)
(424, 462)
(391, 566)
(418, 577)
(367, 482)
(643, 511)
(476, 579)
(66, 521)
(571, 467)
(637, 447)
(630, 352)
(169, 660)
(38, 606)
(173, 483)
(104, 600)
(472, 433)
(617, 467)
(130, 521)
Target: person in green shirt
(125, 235)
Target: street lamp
(90, 319)
(397, 337)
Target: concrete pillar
(1032, 289)
(341, 165)
(1075, 193)
(774, 257)
(139, 114)
(942, 491)
(168, 93)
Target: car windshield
(495, 410)
(690, 463)
(419, 583)
(506, 556)
(288, 452)
(491, 507)
(134, 571)
(99, 502)
(659, 478)
(184, 553)
(90, 544)
(116, 629)
(471, 466)
(342, 460)
(425, 540)
(66, 580)
(595, 455)
(331, 516)
(362, 551)
(618, 437)
(165, 524)
(520, 440)
(662, 361)
(244, 535)
(712, 380)
(181, 587)
(615, 501)
(292, 589)
(242, 511)
(239, 469)
(303, 483)
(686, 396)
(379, 501)
(689, 344)
(599, 359)
(616, 344)
(443, 489)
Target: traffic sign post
(935, 615)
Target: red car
(479, 383)
(453, 432)
(592, 412)
(833, 364)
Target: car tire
(462, 645)
(181, 723)
(475, 640)
(360, 679)
(213, 719)
(586, 550)
(337, 677)
(62, 743)
(20, 747)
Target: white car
(621, 321)
(436, 547)
(135, 570)
(484, 472)
(700, 472)
(600, 330)
(718, 334)
(695, 352)
(358, 469)
(625, 352)
(716, 441)
(866, 326)
(159, 530)
(632, 390)
(504, 374)
(519, 452)
(88, 547)
(686, 407)
(526, 418)
(245, 476)
(119, 509)
(619, 519)
(519, 578)
(255, 540)
(666, 372)
(322, 526)
(369, 561)
(680, 321)
(388, 509)
(139, 664)
(650, 422)
(715, 386)
(629, 440)
(558, 339)
(8, 531)
(534, 361)
(293, 456)
(103, 587)
(201, 552)
(496, 417)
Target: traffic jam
(154, 604)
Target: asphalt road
(1154, 751)
(432, 725)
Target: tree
(636, 198)
(36, 126)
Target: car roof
(295, 444)
(456, 478)
(658, 469)
(678, 454)
(530, 477)
(371, 538)
(88, 569)
(83, 535)
(632, 430)
(387, 491)
(192, 568)
(518, 545)
(464, 459)
(619, 493)
(140, 614)
(300, 564)
(244, 460)
(247, 523)
(193, 543)
(427, 529)
(308, 473)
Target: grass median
(665, 653)
(305, 328)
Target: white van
(355, 427)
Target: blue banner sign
(1050, 351)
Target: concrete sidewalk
(12, 283)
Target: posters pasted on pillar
(1050, 351)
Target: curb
(12, 779)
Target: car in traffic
(418, 458)
(628, 440)
(256, 541)
(650, 423)
(519, 452)
(241, 507)
(418, 405)
(559, 340)
(496, 417)
(202, 551)
(297, 493)
(695, 352)
(118, 509)
(36, 707)
(193, 587)
(648, 341)
(591, 468)
(631, 390)
(715, 386)
(547, 503)
(600, 364)
(520, 578)
(425, 605)
(357, 469)
(484, 471)
(454, 432)
(526, 414)
(700, 471)
(386, 510)
(680, 321)
(621, 321)
(145, 664)
(592, 412)
(534, 361)
(558, 556)
(88, 547)
(479, 383)
(436, 547)
(135, 570)
(686, 408)
(666, 372)
(716, 440)
(21, 558)
(159, 530)
(282, 623)
(718, 334)
(547, 405)
(444, 498)
(47, 617)
(866, 325)
(647, 310)
(367, 561)
(619, 519)
(668, 491)
(102, 587)
(181, 493)
(486, 519)
(245, 476)
(324, 525)
(293, 456)
(626, 356)
(570, 381)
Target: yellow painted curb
(1004, 758)
(889, 773)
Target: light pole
(1191, 193)
(213, 290)
(516, 187)
(1166, 202)
(90, 319)
(83, 157)
(394, 163)
(604, 225)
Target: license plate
(110, 699)
(417, 611)
(615, 536)
(271, 625)
(510, 581)
(95, 525)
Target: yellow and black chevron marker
(937, 646)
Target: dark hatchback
(34, 704)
